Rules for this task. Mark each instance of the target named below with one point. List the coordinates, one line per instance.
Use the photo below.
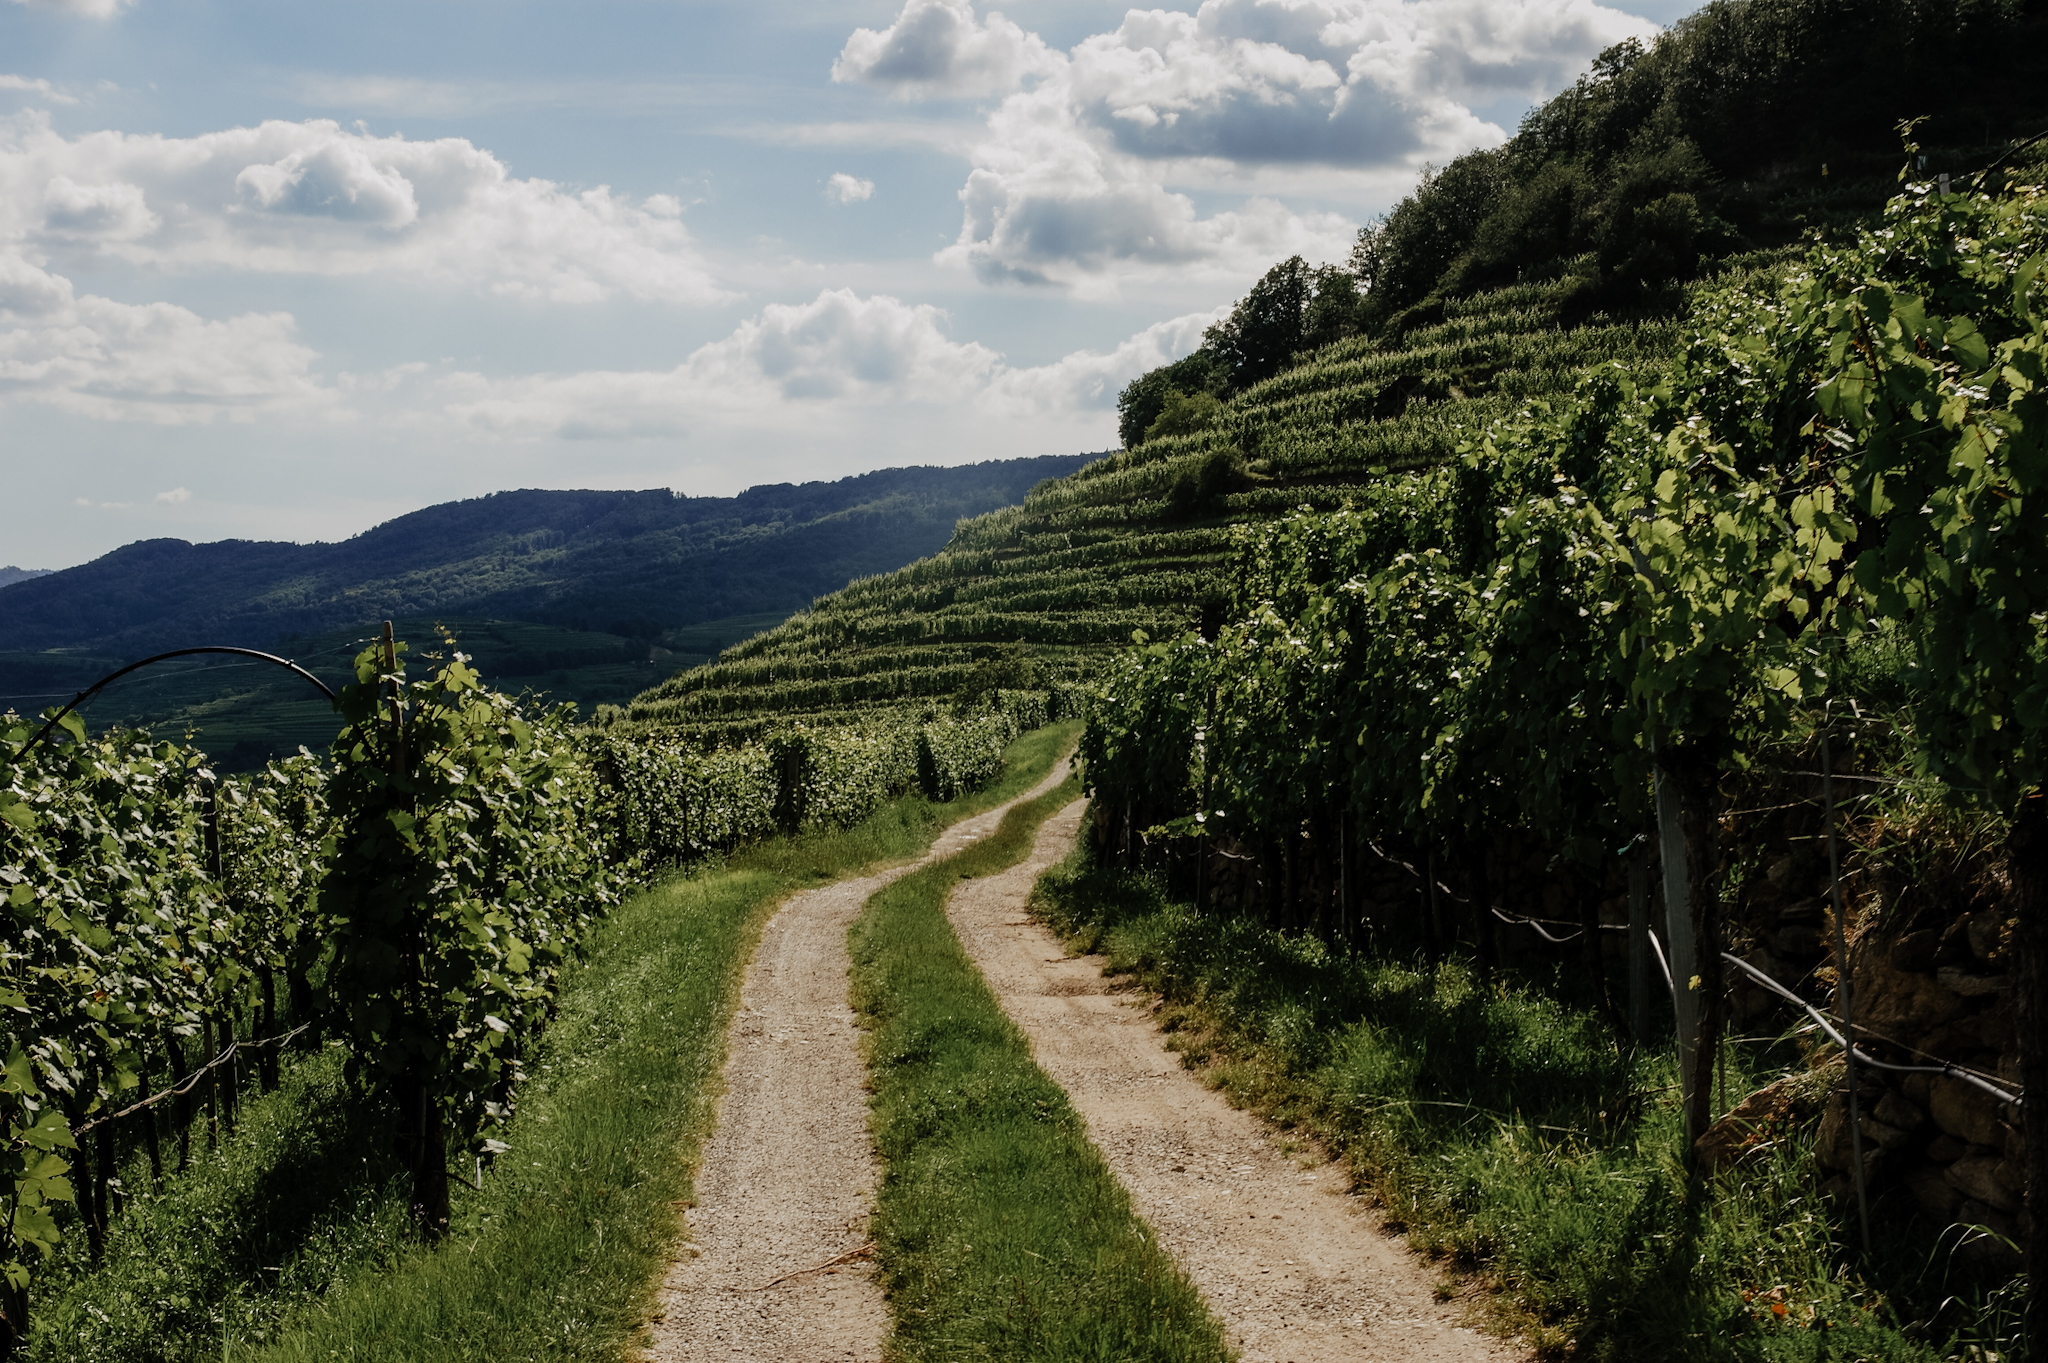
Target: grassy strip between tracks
(289, 1243)
(1000, 1231)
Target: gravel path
(1297, 1270)
(787, 1179)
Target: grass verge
(1000, 1232)
(1512, 1135)
(289, 1242)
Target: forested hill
(1666, 171)
(634, 564)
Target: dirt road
(787, 1180)
(1295, 1268)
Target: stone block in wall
(1937, 1196)
(1833, 1146)
(1895, 1110)
(1989, 1029)
(1947, 1149)
(1901, 1004)
(1955, 944)
(1916, 951)
(1971, 985)
(1752, 1002)
(1755, 1121)
(1987, 934)
(1798, 941)
(1985, 1179)
(1966, 1112)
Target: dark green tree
(1267, 326)
(1144, 398)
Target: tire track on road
(1298, 1270)
(786, 1182)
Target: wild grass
(296, 1202)
(290, 1242)
(1001, 1234)
(1510, 1134)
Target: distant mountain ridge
(634, 564)
(10, 574)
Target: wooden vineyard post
(1640, 976)
(419, 1116)
(212, 1085)
(89, 1201)
(230, 1071)
(1202, 814)
(397, 702)
(1346, 908)
(1480, 887)
(1678, 937)
(2027, 849)
(267, 1057)
(1592, 954)
(107, 1183)
(1844, 987)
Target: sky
(286, 270)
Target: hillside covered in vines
(1659, 177)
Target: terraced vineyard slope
(1138, 540)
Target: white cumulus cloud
(1077, 179)
(315, 198)
(1049, 202)
(1089, 380)
(838, 349)
(150, 362)
(806, 366)
(175, 496)
(938, 47)
(847, 189)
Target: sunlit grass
(290, 1242)
(1512, 1135)
(1001, 1233)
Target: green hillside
(244, 712)
(634, 564)
(1138, 540)
(1707, 157)
(581, 596)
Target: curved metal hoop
(89, 692)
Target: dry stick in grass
(846, 1258)
(185, 1082)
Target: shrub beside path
(1298, 1270)
(777, 1265)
